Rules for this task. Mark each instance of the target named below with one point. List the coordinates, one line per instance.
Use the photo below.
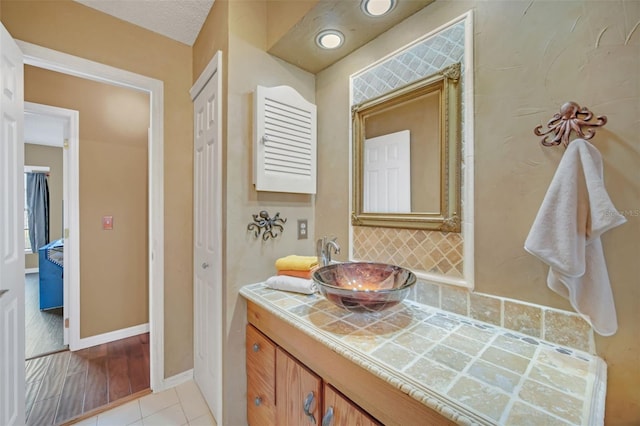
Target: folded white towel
(287, 283)
(566, 232)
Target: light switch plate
(107, 223)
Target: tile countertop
(470, 372)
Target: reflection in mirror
(406, 156)
(387, 173)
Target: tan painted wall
(72, 28)
(213, 36)
(530, 57)
(113, 181)
(51, 156)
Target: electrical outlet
(303, 229)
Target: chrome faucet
(323, 250)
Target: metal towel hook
(571, 117)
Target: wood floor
(67, 384)
(43, 329)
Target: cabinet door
(261, 378)
(339, 411)
(298, 392)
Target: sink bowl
(364, 286)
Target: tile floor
(179, 406)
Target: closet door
(207, 250)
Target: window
(29, 169)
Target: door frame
(53, 60)
(70, 215)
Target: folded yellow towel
(296, 263)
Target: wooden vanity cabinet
(282, 391)
(339, 411)
(298, 392)
(300, 365)
(261, 378)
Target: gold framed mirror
(406, 156)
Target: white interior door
(387, 173)
(207, 246)
(12, 374)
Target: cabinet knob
(257, 401)
(256, 347)
(328, 417)
(307, 407)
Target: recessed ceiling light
(330, 39)
(377, 7)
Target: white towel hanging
(565, 235)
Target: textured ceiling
(180, 20)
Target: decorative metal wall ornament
(272, 226)
(570, 118)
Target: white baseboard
(111, 336)
(176, 380)
(31, 270)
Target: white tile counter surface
(471, 372)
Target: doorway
(48, 59)
(47, 130)
(108, 175)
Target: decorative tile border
(422, 59)
(554, 325)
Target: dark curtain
(38, 210)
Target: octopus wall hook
(272, 226)
(570, 118)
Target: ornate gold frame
(447, 219)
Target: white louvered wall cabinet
(285, 139)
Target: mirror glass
(406, 159)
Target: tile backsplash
(554, 325)
(432, 251)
